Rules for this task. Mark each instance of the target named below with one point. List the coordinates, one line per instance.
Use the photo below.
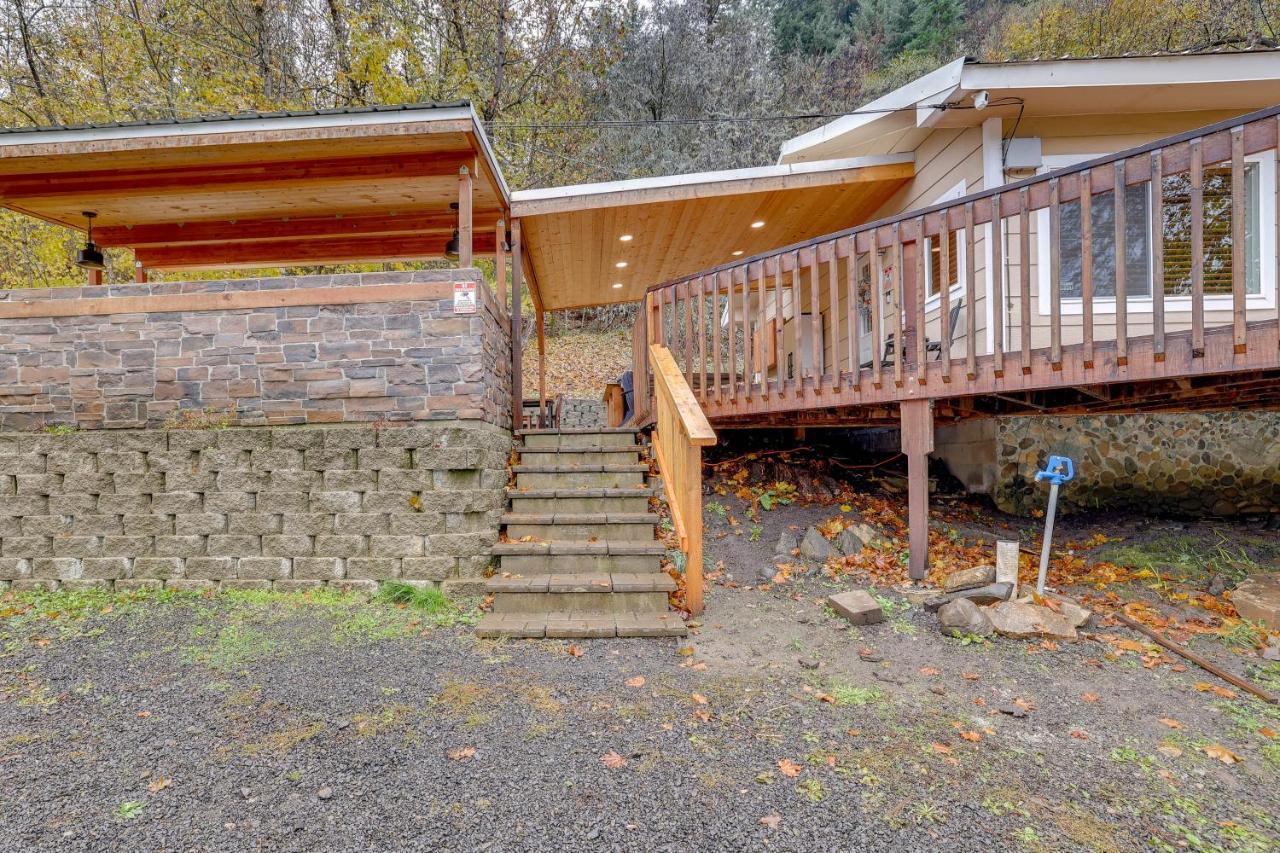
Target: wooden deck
(803, 336)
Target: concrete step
(554, 527)
(556, 501)
(581, 582)
(572, 439)
(577, 625)
(544, 558)
(586, 602)
(580, 476)
(600, 456)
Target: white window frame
(1264, 299)
(931, 303)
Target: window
(1259, 236)
(934, 270)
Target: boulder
(970, 578)
(848, 543)
(1075, 615)
(1025, 621)
(787, 543)
(857, 606)
(1257, 599)
(989, 594)
(866, 534)
(814, 545)
(960, 617)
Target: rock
(989, 594)
(787, 543)
(848, 543)
(969, 578)
(960, 617)
(814, 545)
(1217, 585)
(865, 533)
(888, 678)
(857, 606)
(1257, 599)
(325, 793)
(1012, 711)
(1075, 615)
(808, 663)
(1271, 652)
(1024, 621)
(1007, 555)
(246, 793)
(870, 656)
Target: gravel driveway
(265, 722)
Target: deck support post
(94, 278)
(917, 444)
(139, 273)
(517, 345)
(540, 317)
(500, 262)
(465, 241)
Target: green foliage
(428, 599)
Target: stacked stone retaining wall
(289, 507)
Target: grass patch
(1191, 559)
(849, 694)
(428, 599)
(280, 743)
(235, 646)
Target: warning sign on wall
(464, 297)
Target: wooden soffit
(262, 190)
(685, 223)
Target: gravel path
(257, 722)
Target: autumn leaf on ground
(929, 671)
(941, 748)
(698, 698)
(1090, 697)
(461, 753)
(1171, 723)
(970, 676)
(1221, 753)
(159, 784)
(1206, 687)
(771, 820)
(142, 715)
(972, 737)
(638, 681)
(789, 768)
(613, 761)
(1079, 735)
(1168, 750)
(1025, 704)
(1267, 732)
(575, 651)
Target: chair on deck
(934, 347)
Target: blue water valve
(1057, 470)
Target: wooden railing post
(464, 217)
(682, 431)
(517, 345)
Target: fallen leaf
(159, 784)
(702, 716)
(972, 737)
(575, 651)
(941, 748)
(789, 768)
(638, 681)
(771, 820)
(1049, 645)
(1025, 704)
(144, 714)
(1221, 753)
(1171, 723)
(1206, 687)
(613, 761)
(970, 676)
(686, 651)
(1090, 697)
(1079, 735)
(698, 698)
(461, 753)
(1267, 732)
(929, 671)
(1169, 750)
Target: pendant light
(90, 257)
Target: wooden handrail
(682, 431)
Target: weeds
(848, 694)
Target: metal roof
(242, 116)
(1225, 49)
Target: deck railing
(908, 306)
(682, 431)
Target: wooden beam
(278, 228)
(917, 444)
(517, 279)
(500, 261)
(540, 318)
(464, 217)
(238, 177)
(273, 253)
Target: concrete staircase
(581, 558)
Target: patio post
(139, 272)
(542, 368)
(500, 261)
(917, 444)
(517, 280)
(464, 217)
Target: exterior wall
(287, 506)
(1182, 464)
(312, 349)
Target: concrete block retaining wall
(289, 350)
(253, 507)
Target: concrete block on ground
(857, 606)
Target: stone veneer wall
(1195, 464)
(583, 413)
(292, 507)
(306, 349)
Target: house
(852, 283)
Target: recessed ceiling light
(617, 285)
(759, 223)
(620, 264)
(626, 238)
(739, 252)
